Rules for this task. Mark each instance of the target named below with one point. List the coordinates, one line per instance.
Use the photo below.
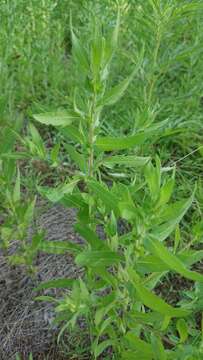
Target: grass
(36, 75)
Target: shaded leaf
(91, 237)
(154, 302)
(55, 284)
(108, 198)
(170, 217)
(59, 247)
(98, 258)
(78, 158)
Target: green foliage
(118, 294)
(112, 115)
(17, 214)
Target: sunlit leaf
(57, 118)
(182, 330)
(126, 160)
(157, 248)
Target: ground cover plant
(139, 213)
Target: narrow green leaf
(111, 42)
(154, 302)
(98, 258)
(45, 298)
(56, 194)
(99, 349)
(139, 345)
(108, 198)
(175, 264)
(7, 139)
(130, 160)
(170, 217)
(91, 237)
(166, 192)
(113, 95)
(36, 241)
(36, 138)
(56, 284)
(79, 52)
(16, 190)
(97, 47)
(15, 156)
(72, 133)
(109, 143)
(190, 257)
(78, 158)
(59, 247)
(150, 263)
(55, 154)
(158, 349)
(29, 213)
(182, 330)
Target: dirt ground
(26, 323)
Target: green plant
(17, 214)
(118, 294)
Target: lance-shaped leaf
(158, 348)
(15, 156)
(98, 258)
(59, 247)
(78, 158)
(126, 160)
(110, 44)
(56, 284)
(79, 52)
(91, 237)
(153, 301)
(150, 263)
(113, 95)
(16, 192)
(173, 262)
(7, 139)
(36, 138)
(141, 347)
(72, 133)
(182, 330)
(99, 348)
(109, 143)
(57, 118)
(171, 216)
(109, 199)
(56, 194)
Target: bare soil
(25, 323)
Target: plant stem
(91, 147)
(91, 136)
